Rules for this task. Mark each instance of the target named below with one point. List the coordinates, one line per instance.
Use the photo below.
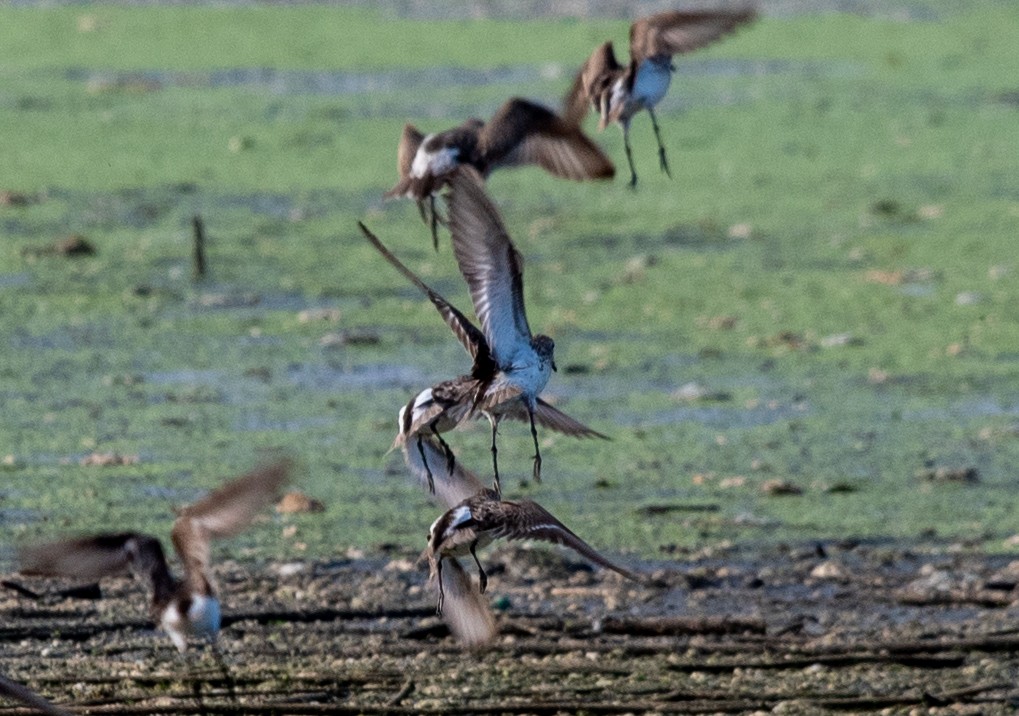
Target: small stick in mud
(198, 255)
(404, 692)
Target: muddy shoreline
(814, 628)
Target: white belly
(204, 616)
(528, 372)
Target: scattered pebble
(350, 338)
(107, 459)
(16, 198)
(298, 502)
(780, 487)
(310, 315)
(829, 569)
(73, 246)
(969, 475)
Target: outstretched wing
(103, 555)
(554, 419)
(224, 512)
(676, 32)
(465, 610)
(594, 78)
(410, 140)
(451, 486)
(491, 265)
(91, 557)
(13, 690)
(466, 332)
(523, 132)
(527, 519)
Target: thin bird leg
(446, 449)
(442, 593)
(227, 676)
(196, 682)
(537, 452)
(482, 577)
(428, 470)
(495, 456)
(421, 211)
(629, 155)
(662, 160)
(435, 223)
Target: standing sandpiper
(182, 607)
(618, 92)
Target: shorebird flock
(510, 366)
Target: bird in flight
(511, 366)
(182, 607)
(618, 92)
(484, 517)
(467, 613)
(521, 132)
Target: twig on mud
(403, 693)
(198, 255)
(681, 626)
(986, 598)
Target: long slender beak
(555, 369)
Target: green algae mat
(809, 333)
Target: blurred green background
(821, 301)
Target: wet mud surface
(845, 628)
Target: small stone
(297, 502)
(780, 487)
(108, 459)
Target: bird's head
(545, 348)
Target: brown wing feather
(501, 399)
(451, 487)
(230, 508)
(222, 513)
(522, 132)
(671, 33)
(14, 690)
(91, 557)
(465, 610)
(489, 262)
(554, 419)
(466, 332)
(594, 78)
(527, 519)
(410, 140)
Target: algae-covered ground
(808, 334)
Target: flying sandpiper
(520, 132)
(617, 92)
(182, 607)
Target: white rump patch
(438, 162)
(460, 515)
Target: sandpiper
(445, 405)
(521, 132)
(484, 517)
(618, 92)
(18, 692)
(182, 607)
(467, 612)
